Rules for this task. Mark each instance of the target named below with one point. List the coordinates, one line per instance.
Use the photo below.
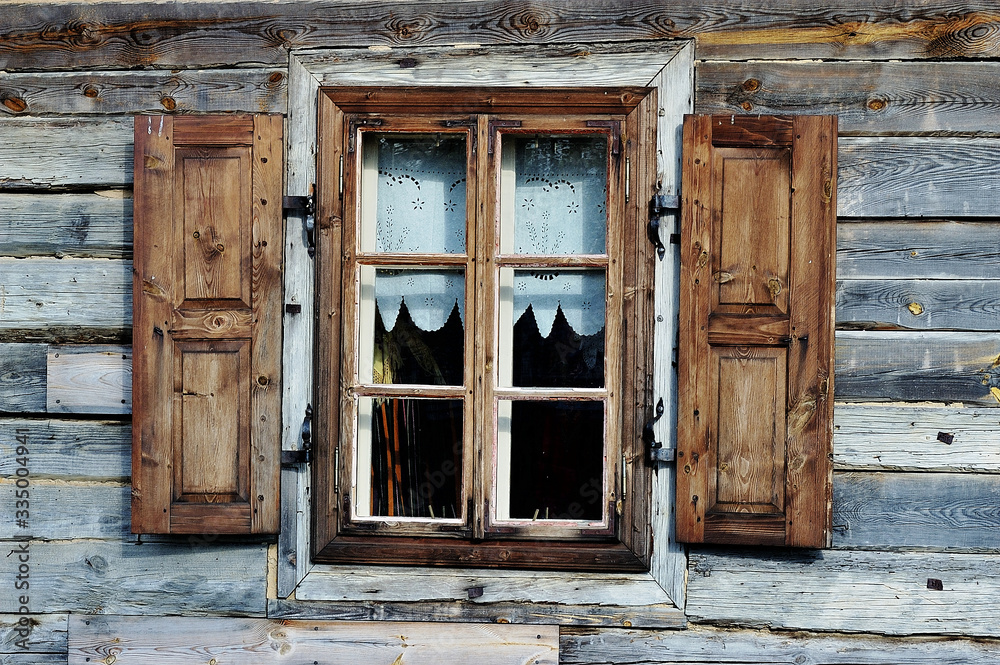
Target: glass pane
(413, 324)
(555, 467)
(552, 328)
(413, 193)
(555, 191)
(409, 458)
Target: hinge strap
(291, 458)
(659, 206)
(305, 205)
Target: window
(482, 376)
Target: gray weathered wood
(22, 378)
(835, 590)
(936, 249)
(915, 438)
(93, 224)
(62, 510)
(918, 177)
(48, 633)
(69, 449)
(918, 304)
(247, 90)
(939, 511)
(650, 616)
(64, 293)
(712, 646)
(89, 379)
(930, 366)
(260, 641)
(61, 152)
(196, 576)
(867, 97)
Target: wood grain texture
(919, 177)
(49, 292)
(194, 577)
(70, 510)
(869, 98)
(932, 249)
(701, 645)
(918, 304)
(48, 636)
(939, 511)
(68, 449)
(60, 153)
(88, 379)
(94, 225)
(834, 590)
(232, 90)
(934, 366)
(915, 438)
(22, 378)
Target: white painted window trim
(669, 66)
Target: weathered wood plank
(47, 634)
(260, 641)
(915, 438)
(22, 378)
(33, 659)
(836, 590)
(887, 304)
(115, 35)
(940, 511)
(461, 611)
(868, 97)
(94, 224)
(94, 576)
(932, 366)
(69, 510)
(46, 292)
(918, 177)
(69, 449)
(229, 90)
(936, 249)
(713, 646)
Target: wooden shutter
(755, 409)
(206, 403)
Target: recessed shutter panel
(206, 324)
(755, 409)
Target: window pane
(554, 194)
(409, 458)
(413, 193)
(555, 464)
(552, 328)
(413, 324)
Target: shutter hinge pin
(659, 206)
(305, 205)
(655, 449)
(290, 458)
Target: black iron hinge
(304, 205)
(290, 458)
(655, 449)
(660, 205)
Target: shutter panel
(206, 324)
(755, 374)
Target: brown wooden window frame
(628, 115)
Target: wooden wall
(917, 431)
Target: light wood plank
(939, 511)
(702, 645)
(95, 92)
(47, 636)
(950, 304)
(934, 366)
(22, 378)
(64, 293)
(833, 590)
(62, 152)
(62, 510)
(868, 97)
(68, 449)
(168, 640)
(918, 177)
(97, 224)
(89, 379)
(934, 249)
(194, 577)
(915, 438)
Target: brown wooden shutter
(755, 387)
(206, 404)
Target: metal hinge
(305, 205)
(291, 458)
(655, 449)
(659, 206)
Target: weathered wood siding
(918, 345)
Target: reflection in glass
(410, 458)
(413, 193)
(556, 459)
(554, 194)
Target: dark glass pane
(416, 458)
(557, 460)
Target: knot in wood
(15, 104)
(751, 85)
(876, 104)
(168, 103)
(91, 91)
(916, 309)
